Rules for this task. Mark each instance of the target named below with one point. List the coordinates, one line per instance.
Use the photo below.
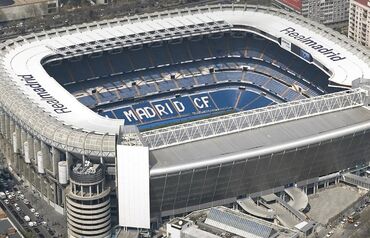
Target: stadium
(154, 115)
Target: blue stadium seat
(145, 112)
(225, 99)
(165, 109)
(127, 93)
(128, 114)
(148, 88)
(205, 79)
(120, 62)
(80, 70)
(166, 85)
(199, 49)
(184, 105)
(261, 101)
(108, 114)
(203, 102)
(99, 65)
(178, 53)
(246, 98)
(238, 46)
(59, 73)
(186, 82)
(159, 55)
(256, 78)
(291, 95)
(139, 59)
(276, 87)
(87, 101)
(218, 47)
(107, 97)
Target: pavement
(330, 202)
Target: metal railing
(236, 122)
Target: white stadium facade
(150, 116)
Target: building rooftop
(294, 4)
(264, 140)
(228, 223)
(365, 3)
(13, 3)
(7, 228)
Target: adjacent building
(359, 21)
(11, 10)
(328, 12)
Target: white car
(6, 201)
(26, 201)
(37, 214)
(32, 223)
(330, 233)
(27, 218)
(32, 210)
(17, 209)
(357, 224)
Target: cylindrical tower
(88, 202)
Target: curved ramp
(248, 205)
(299, 200)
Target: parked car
(27, 218)
(330, 233)
(32, 223)
(6, 201)
(357, 223)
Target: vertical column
(55, 160)
(45, 155)
(36, 148)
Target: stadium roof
(256, 142)
(88, 133)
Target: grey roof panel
(258, 141)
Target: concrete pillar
(59, 195)
(36, 148)
(55, 161)
(45, 155)
(30, 146)
(2, 122)
(8, 127)
(18, 137)
(23, 139)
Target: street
(40, 230)
(348, 230)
